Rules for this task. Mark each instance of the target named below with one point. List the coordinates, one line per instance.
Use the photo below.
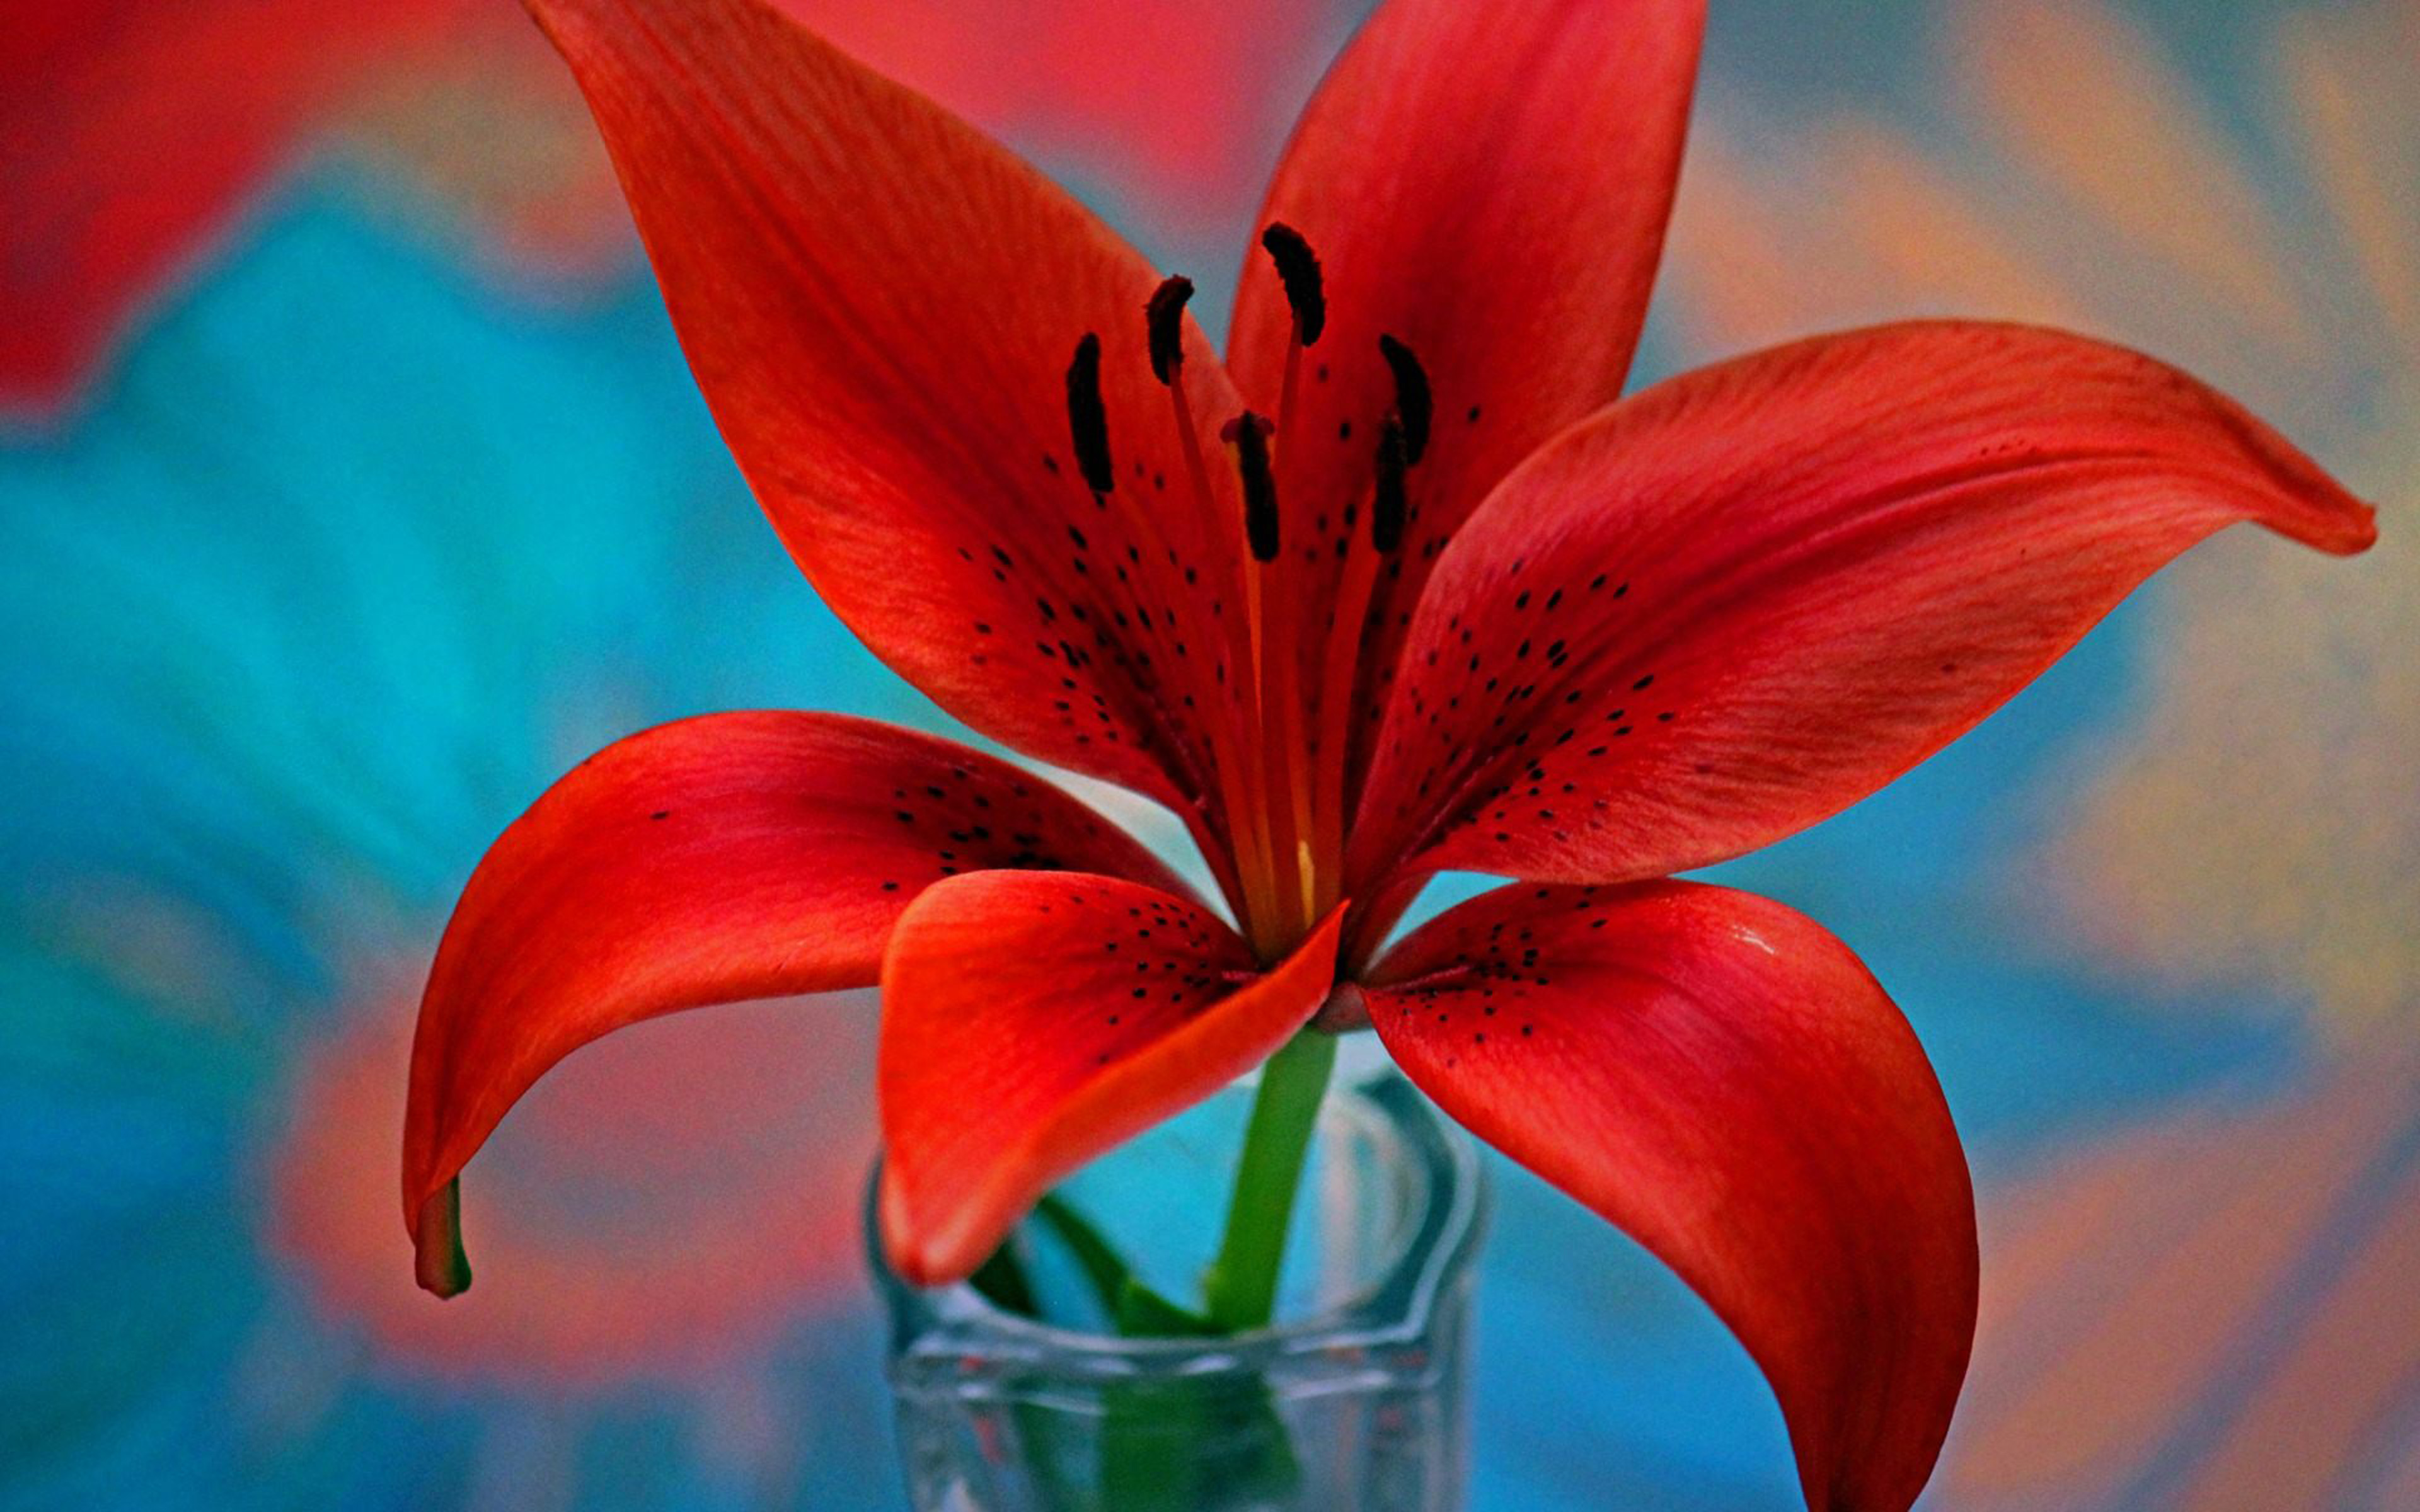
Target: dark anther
(1298, 270)
(1250, 435)
(1164, 317)
(1412, 398)
(1386, 505)
(1088, 421)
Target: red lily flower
(1458, 607)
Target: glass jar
(1354, 1402)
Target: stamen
(1088, 420)
(1387, 506)
(1413, 401)
(1337, 670)
(1164, 319)
(1239, 770)
(1298, 270)
(1250, 435)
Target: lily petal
(728, 856)
(1743, 599)
(881, 307)
(1030, 1023)
(1487, 184)
(1718, 1076)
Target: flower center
(1282, 761)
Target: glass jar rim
(1393, 1309)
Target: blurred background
(351, 488)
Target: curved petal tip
(2355, 530)
(439, 1263)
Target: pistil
(1298, 272)
(1279, 671)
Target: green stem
(1242, 1288)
